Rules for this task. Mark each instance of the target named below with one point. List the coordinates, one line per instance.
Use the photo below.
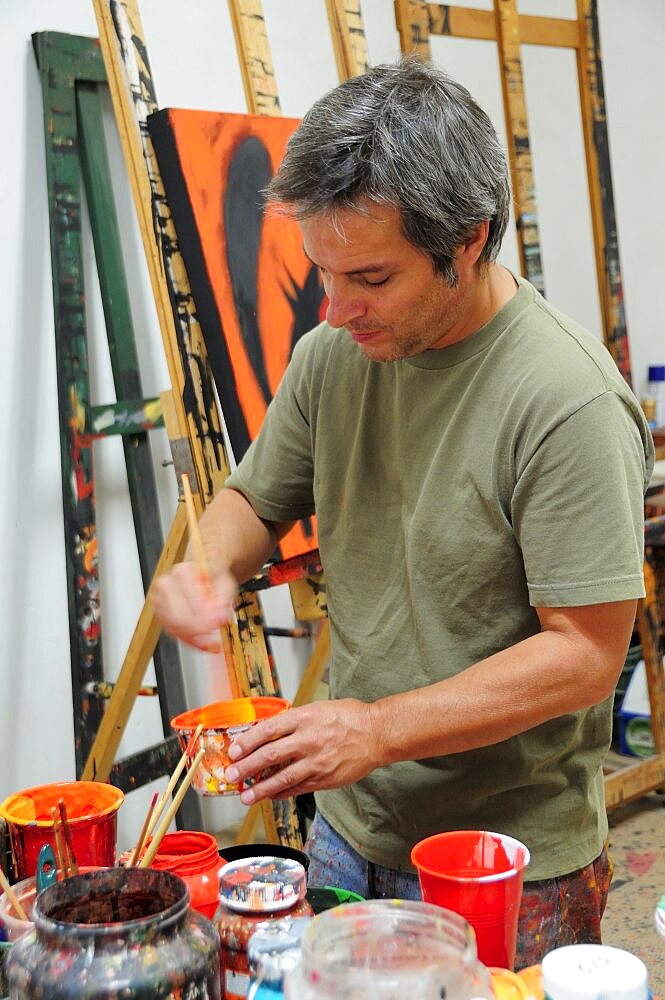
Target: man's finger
(282, 785)
(263, 734)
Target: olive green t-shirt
(456, 491)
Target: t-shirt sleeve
(578, 507)
(276, 472)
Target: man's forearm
(234, 538)
(570, 665)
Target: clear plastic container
(388, 949)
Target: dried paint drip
(117, 933)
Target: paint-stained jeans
(554, 912)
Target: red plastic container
(92, 808)
(194, 857)
(478, 875)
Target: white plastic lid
(580, 971)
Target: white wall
(194, 65)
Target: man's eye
(376, 284)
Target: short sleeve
(276, 472)
(578, 507)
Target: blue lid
(657, 373)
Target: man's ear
(468, 253)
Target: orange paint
(83, 799)
(92, 808)
(206, 143)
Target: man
(477, 465)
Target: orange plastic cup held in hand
(479, 875)
(222, 722)
(92, 808)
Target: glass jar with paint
(388, 949)
(113, 932)
(273, 950)
(251, 891)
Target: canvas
(256, 292)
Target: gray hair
(405, 135)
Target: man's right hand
(192, 607)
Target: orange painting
(255, 290)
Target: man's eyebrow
(370, 269)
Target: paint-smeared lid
(263, 884)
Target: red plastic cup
(478, 875)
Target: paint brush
(202, 565)
(59, 845)
(168, 791)
(136, 853)
(67, 830)
(12, 897)
(153, 847)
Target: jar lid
(274, 948)
(264, 884)
(581, 971)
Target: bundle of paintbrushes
(156, 807)
(64, 844)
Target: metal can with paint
(587, 971)
(113, 932)
(252, 891)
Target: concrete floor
(637, 847)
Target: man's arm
(237, 543)
(571, 664)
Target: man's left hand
(325, 744)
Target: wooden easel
(190, 412)
(417, 20)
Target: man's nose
(344, 304)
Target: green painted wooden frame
(72, 71)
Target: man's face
(381, 288)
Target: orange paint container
(222, 722)
(92, 808)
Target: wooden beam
(348, 37)
(258, 74)
(469, 22)
(412, 20)
(143, 642)
(133, 96)
(633, 781)
(519, 149)
(601, 195)
(315, 669)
